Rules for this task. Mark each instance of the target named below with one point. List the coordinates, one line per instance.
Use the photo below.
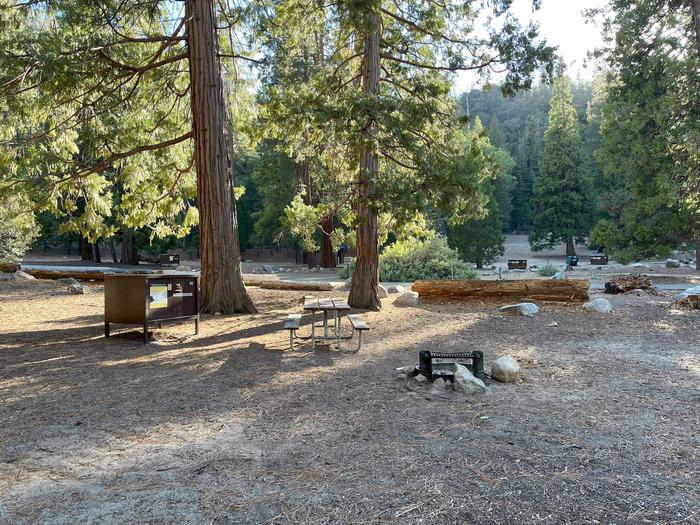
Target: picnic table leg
(325, 323)
(313, 329)
(336, 322)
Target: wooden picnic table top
(326, 304)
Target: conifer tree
(562, 191)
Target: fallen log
(291, 285)
(8, 267)
(63, 274)
(554, 290)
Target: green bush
(18, 229)
(344, 272)
(548, 270)
(412, 259)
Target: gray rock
(4, 277)
(269, 269)
(673, 263)
(24, 276)
(440, 385)
(561, 275)
(407, 300)
(695, 290)
(76, 289)
(184, 268)
(383, 294)
(639, 265)
(637, 291)
(421, 379)
(526, 309)
(599, 305)
(505, 369)
(67, 281)
(396, 289)
(465, 382)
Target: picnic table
(330, 308)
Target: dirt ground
(231, 427)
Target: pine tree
(562, 191)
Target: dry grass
(233, 427)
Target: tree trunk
(364, 290)
(222, 289)
(570, 247)
(113, 250)
(96, 249)
(328, 255)
(129, 252)
(86, 249)
(305, 175)
(480, 264)
(696, 22)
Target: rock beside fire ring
(505, 369)
(466, 383)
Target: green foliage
(344, 272)
(481, 240)
(562, 191)
(412, 259)
(517, 124)
(548, 270)
(18, 229)
(650, 133)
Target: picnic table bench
(336, 307)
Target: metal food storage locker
(145, 299)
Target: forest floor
(233, 427)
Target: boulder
(76, 289)
(673, 263)
(396, 289)
(599, 305)
(24, 276)
(505, 369)
(67, 281)
(639, 265)
(7, 277)
(526, 309)
(465, 382)
(184, 268)
(383, 294)
(559, 276)
(407, 299)
(269, 269)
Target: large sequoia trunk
(570, 247)
(129, 253)
(305, 175)
(364, 290)
(222, 288)
(328, 255)
(86, 253)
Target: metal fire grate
(439, 365)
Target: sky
(563, 25)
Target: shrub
(345, 272)
(411, 259)
(18, 230)
(548, 270)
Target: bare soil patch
(233, 427)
